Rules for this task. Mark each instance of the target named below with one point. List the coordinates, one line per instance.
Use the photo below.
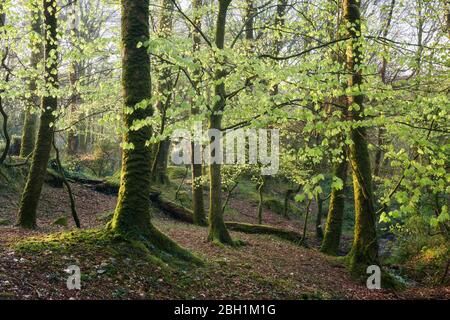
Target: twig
(69, 190)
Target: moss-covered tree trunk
(132, 214)
(131, 217)
(319, 231)
(333, 226)
(41, 153)
(3, 55)
(164, 88)
(364, 251)
(217, 230)
(31, 118)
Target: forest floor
(33, 263)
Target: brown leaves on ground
(263, 268)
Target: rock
(61, 221)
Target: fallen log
(264, 229)
(172, 209)
(53, 178)
(183, 214)
(107, 188)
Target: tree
(41, 152)
(217, 230)
(364, 250)
(132, 214)
(333, 226)
(198, 207)
(31, 117)
(164, 88)
(74, 75)
(3, 57)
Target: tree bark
(217, 229)
(41, 153)
(72, 137)
(364, 251)
(132, 214)
(198, 206)
(4, 55)
(333, 226)
(260, 188)
(384, 62)
(131, 217)
(31, 118)
(164, 88)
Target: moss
(176, 172)
(5, 222)
(364, 250)
(31, 119)
(265, 229)
(62, 242)
(12, 178)
(131, 219)
(105, 216)
(333, 226)
(61, 221)
(274, 205)
(41, 154)
(158, 250)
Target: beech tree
(31, 116)
(132, 214)
(43, 145)
(364, 250)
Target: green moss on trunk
(217, 230)
(333, 227)
(31, 119)
(364, 251)
(159, 168)
(41, 154)
(132, 214)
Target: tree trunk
(4, 115)
(260, 188)
(365, 246)
(164, 88)
(72, 137)
(198, 206)
(217, 229)
(333, 226)
(159, 168)
(319, 231)
(41, 153)
(382, 129)
(132, 214)
(31, 118)
(249, 20)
